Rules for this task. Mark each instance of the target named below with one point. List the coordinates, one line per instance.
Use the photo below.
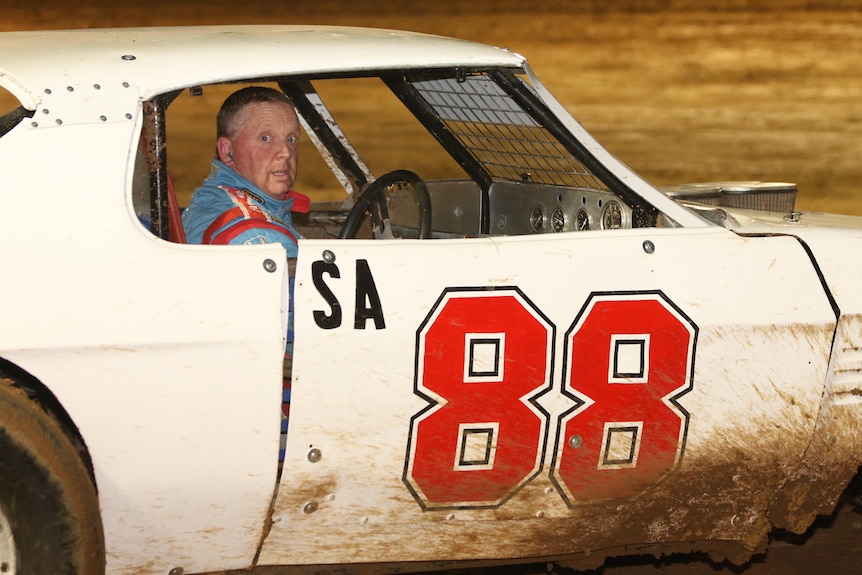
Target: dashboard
(525, 208)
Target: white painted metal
(167, 357)
(163, 59)
(753, 300)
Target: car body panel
(148, 57)
(149, 376)
(759, 298)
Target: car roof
(157, 60)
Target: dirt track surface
(683, 95)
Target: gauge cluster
(525, 208)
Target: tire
(49, 510)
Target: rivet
(736, 521)
(575, 441)
(103, 118)
(314, 455)
(176, 571)
(128, 116)
(330, 497)
(47, 90)
(59, 122)
(269, 265)
(276, 519)
(97, 86)
(309, 507)
(46, 111)
(125, 84)
(649, 247)
(793, 217)
(450, 517)
(831, 440)
(328, 256)
(549, 490)
(540, 514)
(363, 520)
(34, 124)
(70, 88)
(128, 57)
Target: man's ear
(225, 151)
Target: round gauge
(558, 219)
(582, 220)
(537, 218)
(612, 216)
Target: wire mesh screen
(501, 135)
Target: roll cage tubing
(155, 153)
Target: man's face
(264, 148)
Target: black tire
(47, 497)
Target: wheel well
(43, 397)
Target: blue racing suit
(228, 209)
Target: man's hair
(234, 104)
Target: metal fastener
(314, 455)
(270, 265)
(176, 571)
(309, 507)
(793, 217)
(328, 256)
(575, 441)
(649, 247)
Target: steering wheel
(375, 193)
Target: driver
(248, 196)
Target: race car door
(545, 395)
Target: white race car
(550, 361)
